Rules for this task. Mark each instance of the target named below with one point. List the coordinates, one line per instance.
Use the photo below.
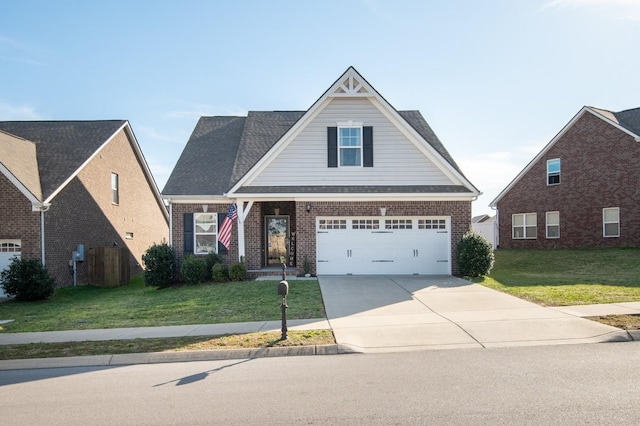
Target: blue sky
(495, 79)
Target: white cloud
(18, 112)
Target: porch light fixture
(205, 208)
(308, 207)
(383, 211)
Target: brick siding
(303, 224)
(17, 221)
(600, 168)
(82, 213)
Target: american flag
(224, 235)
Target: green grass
(567, 277)
(135, 305)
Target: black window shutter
(367, 146)
(221, 248)
(332, 147)
(188, 233)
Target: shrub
(475, 255)
(219, 273)
(238, 272)
(27, 280)
(193, 269)
(212, 258)
(159, 265)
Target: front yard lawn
(562, 277)
(135, 305)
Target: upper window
(553, 171)
(350, 146)
(553, 224)
(611, 222)
(115, 196)
(524, 226)
(206, 232)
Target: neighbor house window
(524, 226)
(611, 222)
(553, 225)
(10, 246)
(115, 196)
(553, 171)
(206, 232)
(350, 146)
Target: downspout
(170, 223)
(43, 208)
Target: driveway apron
(417, 312)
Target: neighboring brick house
(351, 185)
(582, 190)
(64, 183)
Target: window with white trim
(332, 224)
(611, 222)
(350, 146)
(553, 224)
(432, 224)
(365, 224)
(398, 224)
(115, 189)
(553, 171)
(10, 246)
(524, 226)
(205, 233)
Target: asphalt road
(567, 384)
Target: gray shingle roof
(629, 119)
(221, 150)
(62, 146)
(206, 163)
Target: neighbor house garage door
(383, 245)
(8, 250)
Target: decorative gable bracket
(351, 86)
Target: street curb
(634, 334)
(165, 357)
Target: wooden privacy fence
(108, 266)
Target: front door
(277, 239)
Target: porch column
(243, 211)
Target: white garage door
(383, 245)
(8, 250)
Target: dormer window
(553, 171)
(350, 146)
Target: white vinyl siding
(611, 222)
(397, 161)
(524, 226)
(553, 224)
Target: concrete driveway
(401, 313)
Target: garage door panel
(413, 247)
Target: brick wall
(600, 168)
(178, 211)
(304, 225)
(82, 213)
(17, 221)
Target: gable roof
(627, 121)
(58, 150)
(19, 162)
(62, 146)
(250, 141)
